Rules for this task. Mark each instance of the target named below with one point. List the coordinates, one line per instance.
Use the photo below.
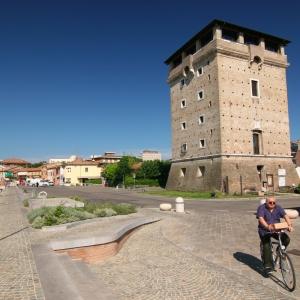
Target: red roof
(14, 161)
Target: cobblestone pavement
(18, 275)
(212, 252)
(158, 262)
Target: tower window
(200, 71)
(229, 35)
(183, 125)
(254, 88)
(256, 143)
(200, 95)
(201, 120)
(183, 148)
(182, 172)
(182, 83)
(250, 40)
(200, 171)
(202, 143)
(183, 103)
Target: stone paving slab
(18, 275)
(230, 240)
(149, 266)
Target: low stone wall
(95, 249)
(97, 253)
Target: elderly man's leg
(267, 253)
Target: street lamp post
(133, 175)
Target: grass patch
(192, 195)
(48, 216)
(197, 195)
(77, 198)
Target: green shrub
(26, 203)
(38, 222)
(105, 212)
(94, 181)
(76, 198)
(90, 207)
(39, 212)
(48, 216)
(129, 181)
(124, 208)
(297, 189)
(50, 219)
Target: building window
(202, 143)
(254, 88)
(200, 71)
(256, 142)
(200, 171)
(182, 83)
(182, 172)
(86, 169)
(200, 95)
(183, 125)
(183, 103)
(183, 148)
(68, 180)
(201, 120)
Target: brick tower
(229, 107)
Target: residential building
(106, 158)
(62, 160)
(55, 173)
(229, 107)
(14, 162)
(78, 172)
(23, 173)
(151, 155)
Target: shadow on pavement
(251, 261)
(255, 264)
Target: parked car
(51, 183)
(44, 183)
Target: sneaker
(269, 270)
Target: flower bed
(48, 216)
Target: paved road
(99, 194)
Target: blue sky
(84, 77)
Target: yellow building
(78, 172)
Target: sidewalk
(18, 275)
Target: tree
(149, 169)
(164, 168)
(38, 164)
(110, 173)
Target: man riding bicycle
(268, 214)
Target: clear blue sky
(84, 77)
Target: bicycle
(282, 260)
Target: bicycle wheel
(275, 255)
(288, 272)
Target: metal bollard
(179, 205)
